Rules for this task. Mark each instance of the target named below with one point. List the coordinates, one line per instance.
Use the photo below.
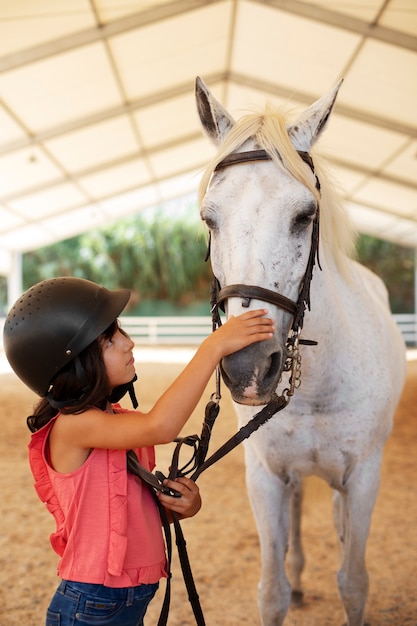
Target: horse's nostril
(275, 363)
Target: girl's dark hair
(80, 385)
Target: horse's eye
(210, 223)
(208, 217)
(303, 220)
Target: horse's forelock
(268, 129)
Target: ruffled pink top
(108, 528)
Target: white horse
(263, 216)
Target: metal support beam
(14, 279)
(343, 21)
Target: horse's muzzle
(252, 374)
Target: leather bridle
(249, 292)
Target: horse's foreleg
(269, 498)
(295, 557)
(353, 511)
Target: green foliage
(395, 265)
(160, 257)
(3, 295)
(157, 256)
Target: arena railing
(192, 330)
(188, 330)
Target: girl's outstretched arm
(95, 429)
(185, 392)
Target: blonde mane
(268, 131)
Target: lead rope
(199, 465)
(156, 483)
(198, 462)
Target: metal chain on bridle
(199, 462)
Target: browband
(261, 155)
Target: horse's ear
(215, 119)
(311, 123)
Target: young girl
(63, 340)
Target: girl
(63, 340)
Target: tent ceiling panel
(359, 143)
(11, 130)
(112, 180)
(61, 88)
(165, 122)
(110, 10)
(48, 201)
(170, 187)
(25, 24)
(382, 225)
(366, 11)
(168, 162)
(95, 145)
(9, 221)
(380, 82)
(254, 98)
(27, 237)
(29, 168)
(272, 45)
(400, 15)
(347, 179)
(98, 118)
(188, 44)
(398, 199)
(90, 216)
(131, 201)
(404, 165)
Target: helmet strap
(121, 390)
(116, 395)
(80, 373)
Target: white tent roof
(97, 111)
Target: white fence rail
(167, 330)
(407, 323)
(192, 330)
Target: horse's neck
(330, 292)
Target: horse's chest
(287, 448)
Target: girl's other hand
(190, 501)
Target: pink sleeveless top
(108, 528)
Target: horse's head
(262, 215)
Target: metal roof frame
(97, 104)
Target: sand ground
(222, 540)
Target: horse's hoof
(296, 598)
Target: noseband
(249, 292)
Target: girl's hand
(190, 502)
(241, 331)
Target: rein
(199, 462)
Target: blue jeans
(77, 604)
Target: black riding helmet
(52, 322)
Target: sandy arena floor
(222, 540)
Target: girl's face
(118, 358)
